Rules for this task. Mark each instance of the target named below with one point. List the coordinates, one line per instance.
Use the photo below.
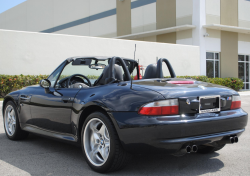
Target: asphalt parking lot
(42, 156)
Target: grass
(1, 99)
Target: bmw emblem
(188, 101)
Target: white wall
(81, 10)
(213, 44)
(143, 18)
(212, 11)
(244, 13)
(40, 53)
(244, 44)
(199, 19)
(104, 27)
(40, 15)
(184, 12)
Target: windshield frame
(64, 63)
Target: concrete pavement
(42, 156)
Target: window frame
(214, 60)
(245, 82)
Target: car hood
(176, 87)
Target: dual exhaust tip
(233, 139)
(193, 148)
(229, 140)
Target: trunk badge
(188, 101)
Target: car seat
(102, 80)
(150, 72)
(155, 70)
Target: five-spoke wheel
(10, 120)
(96, 142)
(101, 145)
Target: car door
(24, 102)
(51, 110)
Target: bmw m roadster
(113, 117)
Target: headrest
(105, 74)
(150, 72)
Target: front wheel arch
(6, 100)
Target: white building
(220, 27)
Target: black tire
(209, 149)
(19, 134)
(118, 158)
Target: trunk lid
(176, 87)
(187, 90)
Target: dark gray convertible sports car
(113, 117)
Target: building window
(243, 69)
(212, 64)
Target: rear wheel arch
(117, 157)
(86, 112)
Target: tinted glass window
(247, 72)
(216, 69)
(216, 55)
(213, 64)
(241, 58)
(210, 55)
(210, 68)
(241, 70)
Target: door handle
(67, 100)
(25, 97)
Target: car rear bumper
(140, 134)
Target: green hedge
(9, 83)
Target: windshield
(91, 74)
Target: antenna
(132, 71)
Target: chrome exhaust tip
(194, 148)
(231, 140)
(236, 139)
(188, 149)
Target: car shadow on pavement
(42, 156)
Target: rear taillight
(158, 108)
(236, 102)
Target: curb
(244, 93)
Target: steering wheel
(72, 76)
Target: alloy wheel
(96, 142)
(10, 120)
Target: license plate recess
(209, 104)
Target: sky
(7, 4)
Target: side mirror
(45, 83)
